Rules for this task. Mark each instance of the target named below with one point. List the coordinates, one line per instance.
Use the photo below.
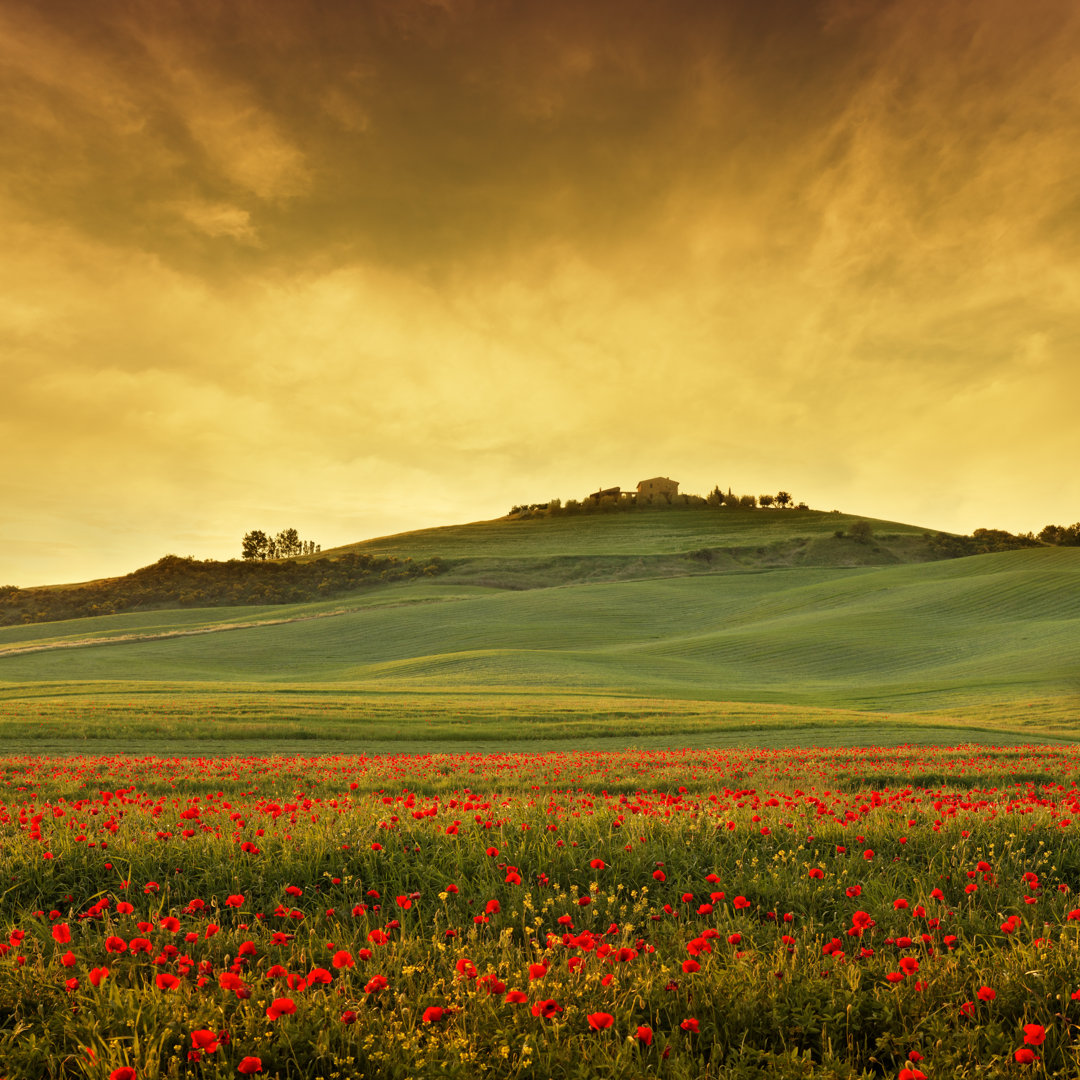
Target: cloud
(399, 263)
(218, 219)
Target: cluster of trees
(984, 541)
(980, 542)
(174, 581)
(285, 545)
(1061, 535)
(629, 500)
(781, 499)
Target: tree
(715, 497)
(1062, 535)
(861, 531)
(765, 500)
(254, 545)
(288, 543)
(783, 498)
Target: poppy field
(902, 912)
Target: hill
(663, 640)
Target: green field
(706, 627)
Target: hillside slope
(991, 627)
(649, 531)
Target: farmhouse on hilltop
(604, 493)
(658, 485)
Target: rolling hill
(636, 625)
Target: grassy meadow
(649, 625)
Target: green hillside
(992, 636)
(648, 531)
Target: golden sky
(359, 267)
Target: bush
(861, 531)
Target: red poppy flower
(115, 944)
(645, 1034)
(984, 993)
(537, 971)
(61, 933)
(97, 975)
(343, 959)
(1025, 1056)
(597, 864)
(1034, 1034)
(690, 966)
(433, 1013)
(125, 1072)
(236, 900)
(547, 1009)
(166, 981)
(516, 997)
(249, 1066)
(376, 983)
(912, 1074)
(282, 1006)
(204, 1040)
(598, 1021)
(690, 1024)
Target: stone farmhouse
(658, 485)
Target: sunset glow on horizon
(368, 267)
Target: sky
(362, 267)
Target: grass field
(988, 635)
(714, 628)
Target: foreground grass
(673, 914)
(136, 717)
